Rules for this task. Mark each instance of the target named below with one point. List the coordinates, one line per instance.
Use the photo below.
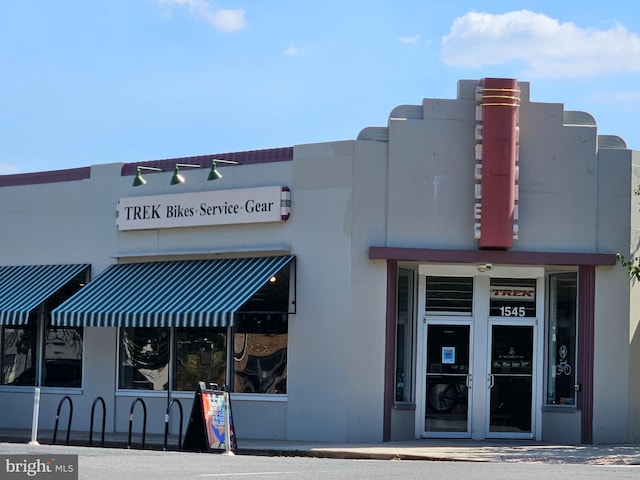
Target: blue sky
(86, 82)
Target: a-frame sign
(210, 427)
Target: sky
(86, 82)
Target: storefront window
(561, 374)
(260, 354)
(450, 296)
(58, 351)
(144, 358)
(151, 358)
(201, 356)
(404, 336)
(19, 347)
(62, 357)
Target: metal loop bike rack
(55, 430)
(144, 420)
(166, 423)
(104, 414)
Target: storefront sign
(512, 301)
(525, 294)
(220, 207)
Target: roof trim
(53, 176)
(502, 257)
(284, 154)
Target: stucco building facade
(450, 274)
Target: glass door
(448, 380)
(510, 380)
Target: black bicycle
(444, 396)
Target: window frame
(551, 345)
(404, 387)
(230, 332)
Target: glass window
(260, 354)
(201, 356)
(151, 358)
(19, 348)
(561, 374)
(259, 349)
(404, 336)
(450, 295)
(513, 297)
(144, 358)
(62, 357)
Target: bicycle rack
(144, 420)
(104, 414)
(55, 430)
(166, 423)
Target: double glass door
(480, 373)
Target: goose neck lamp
(214, 174)
(138, 180)
(177, 177)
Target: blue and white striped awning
(192, 293)
(24, 287)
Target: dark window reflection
(201, 356)
(19, 354)
(144, 358)
(63, 357)
(260, 354)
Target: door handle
(492, 380)
(469, 381)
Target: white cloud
(7, 169)
(292, 50)
(410, 39)
(224, 20)
(619, 97)
(549, 48)
(628, 97)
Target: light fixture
(483, 267)
(214, 174)
(177, 178)
(138, 180)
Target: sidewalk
(454, 450)
(424, 449)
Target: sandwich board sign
(210, 427)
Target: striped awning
(192, 293)
(24, 287)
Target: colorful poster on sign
(213, 408)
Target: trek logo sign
(223, 207)
(58, 467)
(525, 294)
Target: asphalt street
(109, 463)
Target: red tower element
(499, 99)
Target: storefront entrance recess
(481, 357)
